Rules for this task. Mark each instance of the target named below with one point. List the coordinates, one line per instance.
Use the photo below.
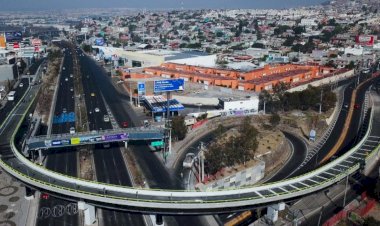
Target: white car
(72, 130)
(63, 68)
(106, 118)
(66, 79)
(97, 110)
(21, 84)
(71, 75)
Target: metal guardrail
(313, 150)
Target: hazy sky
(149, 4)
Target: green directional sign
(157, 143)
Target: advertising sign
(365, 40)
(13, 36)
(2, 42)
(56, 143)
(141, 87)
(87, 139)
(99, 42)
(121, 136)
(75, 140)
(168, 85)
(65, 141)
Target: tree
(299, 30)
(247, 141)
(219, 34)
(289, 41)
(214, 158)
(179, 128)
(258, 45)
(351, 65)
(274, 120)
(371, 221)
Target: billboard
(99, 42)
(14, 36)
(114, 137)
(2, 42)
(168, 85)
(141, 87)
(365, 40)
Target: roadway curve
(172, 201)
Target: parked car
(356, 106)
(125, 124)
(106, 118)
(21, 84)
(64, 110)
(72, 130)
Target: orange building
(255, 80)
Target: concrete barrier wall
(324, 81)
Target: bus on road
(11, 95)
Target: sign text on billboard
(168, 85)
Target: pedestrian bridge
(94, 137)
(363, 155)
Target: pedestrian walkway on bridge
(94, 137)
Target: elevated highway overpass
(181, 202)
(94, 137)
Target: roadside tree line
(310, 98)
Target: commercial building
(248, 103)
(255, 80)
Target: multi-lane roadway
(109, 162)
(54, 211)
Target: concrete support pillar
(40, 156)
(159, 220)
(29, 193)
(272, 211)
(89, 213)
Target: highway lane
(7, 108)
(334, 136)
(156, 174)
(61, 160)
(297, 157)
(109, 164)
(358, 183)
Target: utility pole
(320, 104)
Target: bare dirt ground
(49, 81)
(273, 148)
(86, 170)
(134, 169)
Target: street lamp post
(320, 104)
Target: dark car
(356, 106)
(125, 124)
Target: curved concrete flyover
(179, 202)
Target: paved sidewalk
(14, 208)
